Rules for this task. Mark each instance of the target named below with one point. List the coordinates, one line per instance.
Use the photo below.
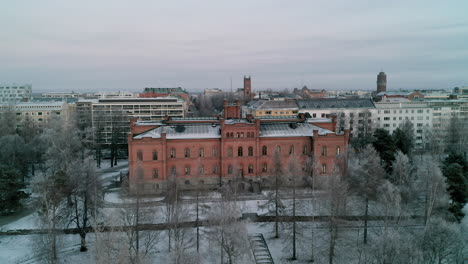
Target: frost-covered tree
(85, 197)
(365, 175)
(228, 232)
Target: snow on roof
(291, 130)
(192, 131)
(327, 103)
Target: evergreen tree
(10, 189)
(385, 146)
(456, 172)
(403, 137)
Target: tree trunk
(294, 224)
(365, 220)
(83, 247)
(276, 207)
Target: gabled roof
(332, 103)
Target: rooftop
(164, 90)
(213, 130)
(278, 104)
(328, 103)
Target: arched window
(227, 134)
(251, 168)
(240, 151)
(187, 153)
(173, 153)
(264, 150)
(248, 134)
(173, 171)
(155, 155)
(187, 170)
(304, 150)
(232, 134)
(242, 134)
(291, 150)
(139, 155)
(229, 152)
(230, 169)
(215, 169)
(155, 173)
(278, 150)
(201, 152)
(250, 151)
(324, 151)
(324, 168)
(265, 167)
(238, 134)
(338, 150)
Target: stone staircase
(260, 249)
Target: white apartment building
(444, 110)
(391, 114)
(15, 93)
(113, 114)
(62, 95)
(40, 112)
(352, 113)
(119, 94)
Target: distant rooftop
(279, 104)
(164, 90)
(327, 103)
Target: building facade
(354, 115)
(391, 115)
(267, 108)
(216, 151)
(39, 112)
(15, 93)
(110, 117)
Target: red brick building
(214, 151)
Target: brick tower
(247, 89)
(381, 82)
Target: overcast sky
(128, 45)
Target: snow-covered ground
(22, 248)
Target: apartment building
(270, 108)
(390, 115)
(15, 93)
(353, 114)
(41, 112)
(110, 116)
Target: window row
(172, 153)
(230, 152)
(240, 134)
(201, 170)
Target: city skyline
(87, 46)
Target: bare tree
(228, 231)
(365, 175)
(85, 200)
(52, 205)
(432, 187)
(442, 242)
(337, 192)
